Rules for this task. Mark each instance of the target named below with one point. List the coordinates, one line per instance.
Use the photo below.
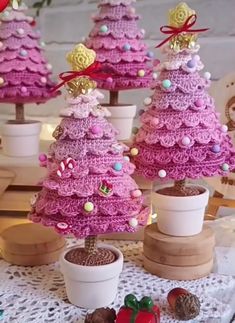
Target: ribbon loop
(175, 31)
(93, 71)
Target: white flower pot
(21, 139)
(122, 117)
(92, 286)
(180, 216)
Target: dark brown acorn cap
(187, 307)
(101, 315)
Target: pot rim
(93, 268)
(206, 191)
(120, 105)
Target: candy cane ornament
(69, 163)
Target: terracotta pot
(92, 286)
(21, 139)
(180, 215)
(122, 117)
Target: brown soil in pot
(100, 257)
(183, 191)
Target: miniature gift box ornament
(134, 311)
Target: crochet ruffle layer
(121, 29)
(14, 43)
(109, 43)
(115, 13)
(50, 203)
(173, 120)
(8, 30)
(180, 172)
(182, 101)
(187, 83)
(116, 56)
(125, 83)
(82, 128)
(92, 165)
(89, 185)
(174, 62)
(158, 156)
(116, 2)
(168, 138)
(80, 148)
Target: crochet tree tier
(24, 72)
(88, 189)
(181, 136)
(119, 45)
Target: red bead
(33, 23)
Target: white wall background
(66, 22)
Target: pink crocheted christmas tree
(181, 136)
(88, 189)
(119, 45)
(24, 72)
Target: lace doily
(38, 294)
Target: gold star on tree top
(81, 57)
(178, 15)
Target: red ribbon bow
(174, 31)
(92, 71)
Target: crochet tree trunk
(24, 72)
(119, 45)
(181, 136)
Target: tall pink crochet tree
(181, 136)
(88, 189)
(24, 72)
(119, 45)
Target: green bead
(166, 84)
(146, 302)
(131, 301)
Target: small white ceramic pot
(122, 117)
(21, 139)
(92, 286)
(180, 216)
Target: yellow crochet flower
(179, 14)
(81, 57)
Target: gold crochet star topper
(80, 58)
(177, 17)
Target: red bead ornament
(33, 23)
(134, 311)
(3, 4)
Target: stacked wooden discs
(180, 258)
(30, 244)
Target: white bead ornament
(186, 141)
(49, 67)
(224, 128)
(1, 81)
(20, 31)
(136, 193)
(133, 222)
(207, 75)
(155, 75)
(147, 101)
(43, 80)
(162, 173)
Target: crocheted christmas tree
(88, 189)
(181, 136)
(24, 72)
(119, 45)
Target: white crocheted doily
(38, 294)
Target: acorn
(185, 305)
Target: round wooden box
(181, 258)
(30, 244)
